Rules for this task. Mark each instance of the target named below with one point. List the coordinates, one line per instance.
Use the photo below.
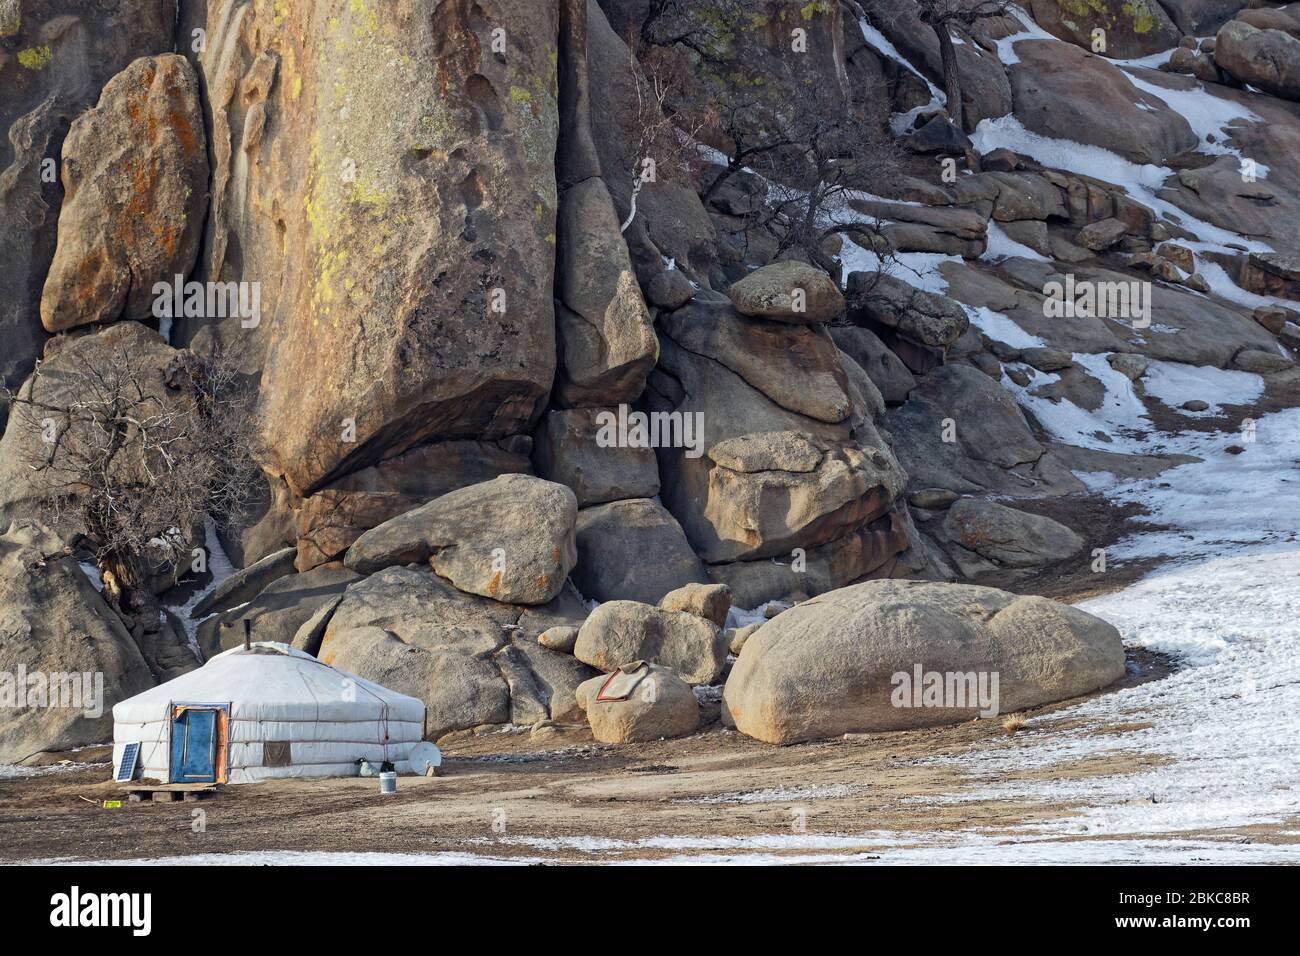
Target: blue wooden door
(194, 747)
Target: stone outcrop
(472, 660)
(987, 536)
(135, 184)
(389, 181)
(1046, 82)
(917, 326)
(65, 656)
(962, 431)
(1268, 59)
(709, 601)
(510, 539)
(885, 369)
(569, 450)
(788, 292)
(1200, 18)
(605, 336)
(325, 525)
(1130, 28)
(633, 549)
(55, 61)
(789, 456)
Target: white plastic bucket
(388, 782)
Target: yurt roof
(273, 681)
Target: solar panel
(126, 769)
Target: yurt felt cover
(274, 693)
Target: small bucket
(388, 782)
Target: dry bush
(136, 457)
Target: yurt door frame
(198, 745)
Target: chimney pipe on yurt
(248, 634)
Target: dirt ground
(564, 799)
(572, 788)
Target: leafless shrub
(137, 457)
(661, 133)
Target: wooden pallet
(169, 792)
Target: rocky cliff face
(55, 58)
(501, 367)
(371, 162)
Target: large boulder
(1013, 195)
(65, 656)
(1267, 59)
(389, 179)
(55, 59)
(875, 550)
(769, 492)
(1115, 114)
(962, 431)
(571, 450)
(327, 523)
(769, 356)
(622, 631)
(510, 539)
(917, 325)
(1200, 18)
(1272, 273)
(709, 601)
(606, 338)
(423, 609)
(1284, 18)
(135, 181)
(1131, 28)
(1193, 329)
(632, 549)
(916, 228)
(460, 691)
(845, 662)
(1219, 194)
(768, 392)
(885, 369)
(1006, 537)
(471, 659)
(788, 291)
(655, 704)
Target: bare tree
(136, 456)
(942, 16)
(659, 146)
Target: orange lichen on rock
(136, 174)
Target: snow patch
(919, 269)
(1174, 383)
(1207, 114)
(1002, 246)
(1002, 329)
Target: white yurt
(265, 710)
